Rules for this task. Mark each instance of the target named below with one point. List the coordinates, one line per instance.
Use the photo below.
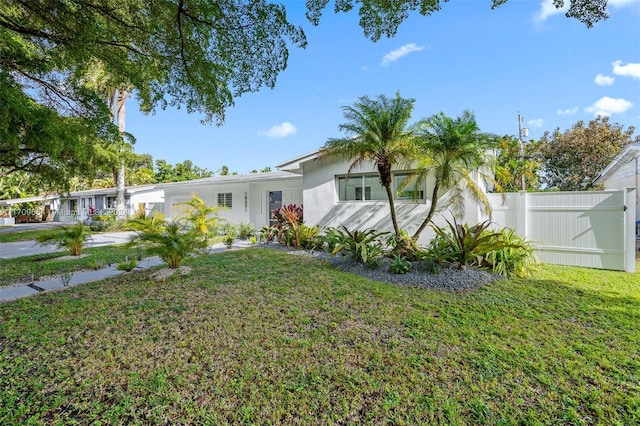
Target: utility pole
(523, 132)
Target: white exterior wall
(152, 199)
(590, 229)
(323, 208)
(626, 176)
(254, 211)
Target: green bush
(175, 241)
(502, 251)
(516, 258)
(399, 265)
(268, 233)
(245, 230)
(71, 238)
(363, 246)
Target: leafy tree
(382, 18)
(510, 167)
(224, 170)
(180, 172)
(452, 149)
(192, 53)
(572, 159)
(377, 132)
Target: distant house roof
(107, 191)
(294, 165)
(628, 154)
(13, 201)
(249, 177)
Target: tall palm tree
(378, 132)
(452, 149)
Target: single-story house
(623, 172)
(80, 205)
(249, 198)
(12, 211)
(357, 200)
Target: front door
(275, 202)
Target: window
(111, 202)
(407, 189)
(360, 187)
(224, 199)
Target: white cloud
(279, 131)
(536, 122)
(548, 9)
(608, 106)
(568, 111)
(629, 70)
(604, 80)
(394, 55)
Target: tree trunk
(432, 210)
(121, 213)
(392, 207)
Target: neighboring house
(623, 172)
(358, 200)
(249, 198)
(80, 205)
(14, 211)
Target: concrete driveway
(28, 248)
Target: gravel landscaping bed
(450, 279)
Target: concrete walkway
(28, 248)
(81, 277)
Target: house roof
(249, 177)
(294, 165)
(628, 154)
(106, 191)
(13, 201)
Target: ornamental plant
(71, 238)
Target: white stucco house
(80, 205)
(249, 198)
(623, 172)
(332, 197)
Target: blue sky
(521, 57)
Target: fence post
(630, 229)
(523, 214)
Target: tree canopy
(380, 18)
(572, 159)
(56, 57)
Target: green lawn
(260, 336)
(23, 235)
(20, 269)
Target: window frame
(227, 199)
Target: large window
(407, 188)
(368, 187)
(224, 199)
(360, 187)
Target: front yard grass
(20, 269)
(261, 336)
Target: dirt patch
(165, 273)
(69, 257)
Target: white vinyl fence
(592, 229)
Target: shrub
(127, 265)
(503, 251)
(399, 265)
(403, 245)
(245, 230)
(71, 238)
(467, 244)
(268, 233)
(175, 241)
(515, 258)
(363, 246)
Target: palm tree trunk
(121, 112)
(392, 207)
(432, 210)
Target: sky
(524, 57)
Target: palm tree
(378, 132)
(452, 149)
